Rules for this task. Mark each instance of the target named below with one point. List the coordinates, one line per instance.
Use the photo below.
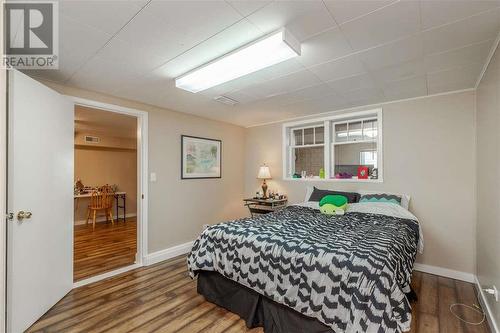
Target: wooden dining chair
(101, 200)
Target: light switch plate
(152, 177)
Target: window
(368, 158)
(333, 148)
(307, 150)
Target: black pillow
(318, 194)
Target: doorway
(116, 137)
(105, 192)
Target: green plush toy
(333, 204)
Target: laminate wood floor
(106, 248)
(162, 298)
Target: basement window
(335, 148)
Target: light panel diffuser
(264, 52)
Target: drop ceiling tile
(247, 7)
(312, 92)
(302, 18)
(150, 89)
(127, 54)
(468, 31)
(216, 46)
(241, 97)
(149, 33)
(404, 50)
(286, 67)
(194, 20)
(108, 16)
(356, 82)
(160, 92)
(102, 75)
(139, 3)
(283, 84)
(337, 69)
(168, 28)
(407, 88)
(475, 53)
(438, 12)
(400, 71)
(346, 10)
(78, 43)
(453, 79)
(79, 38)
(364, 96)
(329, 102)
(390, 23)
(324, 47)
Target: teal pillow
(381, 197)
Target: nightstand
(263, 206)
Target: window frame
(328, 122)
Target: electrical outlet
(492, 291)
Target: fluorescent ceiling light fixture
(264, 52)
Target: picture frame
(363, 172)
(201, 158)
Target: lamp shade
(264, 172)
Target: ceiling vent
(226, 100)
(91, 139)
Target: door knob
(21, 215)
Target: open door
(40, 199)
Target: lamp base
(264, 189)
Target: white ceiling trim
(488, 60)
(323, 114)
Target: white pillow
(309, 191)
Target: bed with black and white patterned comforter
(350, 272)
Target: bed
(297, 270)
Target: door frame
(142, 182)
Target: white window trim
(328, 142)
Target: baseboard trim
(169, 253)
(106, 275)
(101, 219)
(449, 273)
(486, 307)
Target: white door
(40, 182)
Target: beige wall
(97, 167)
(178, 208)
(428, 153)
(488, 180)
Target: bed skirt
(256, 310)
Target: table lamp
(264, 173)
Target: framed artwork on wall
(201, 158)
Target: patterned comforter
(350, 272)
